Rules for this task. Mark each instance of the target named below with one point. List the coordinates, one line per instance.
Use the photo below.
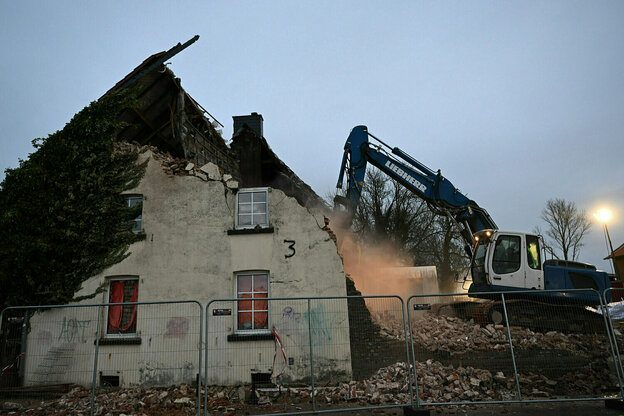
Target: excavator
(505, 262)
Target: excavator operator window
(506, 254)
(533, 252)
(478, 266)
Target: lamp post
(604, 215)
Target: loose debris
(174, 166)
(454, 335)
(388, 386)
(179, 400)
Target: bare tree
(390, 214)
(443, 248)
(567, 225)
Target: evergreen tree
(62, 216)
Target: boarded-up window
(253, 314)
(121, 319)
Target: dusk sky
(515, 102)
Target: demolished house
(220, 222)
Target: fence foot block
(614, 404)
(415, 411)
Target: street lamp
(604, 215)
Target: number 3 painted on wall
(291, 246)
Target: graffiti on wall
(317, 322)
(290, 321)
(177, 327)
(320, 324)
(73, 330)
(53, 367)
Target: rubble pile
(388, 386)
(450, 334)
(455, 335)
(439, 383)
(178, 400)
(390, 325)
(174, 166)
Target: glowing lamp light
(603, 215)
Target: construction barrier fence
(88, 352)
(312, 354)
(538, 345)
(303, 355)
(614, 314)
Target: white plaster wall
(188, 255)
(59, 347)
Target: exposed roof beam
(157, 62)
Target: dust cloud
(380, 269)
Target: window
(533, 252)
(133, 201)
(122, 319)
(252, 208)
(478, 265)
(506, 254)
(252, 315)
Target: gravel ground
(589, 408)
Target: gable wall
(188, 254)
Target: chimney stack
(252, 121)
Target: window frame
(478, 270)
(530, 239)
(138, 221)
(504, 260)
(252, 331)
(105, 333)
(239, 226)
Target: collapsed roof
(167, 117)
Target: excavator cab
(506, 260)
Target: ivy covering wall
(62, 216)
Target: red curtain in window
(115, 312)
(261, 320)
(135, 296)
(261, 316)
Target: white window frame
(266, 330)
(266, 202)
(134, 334)
(138, 221)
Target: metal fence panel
(56, 346)
(75, 351)
(523, 348)
(562, 349)
(312, 354)
(614, 313)
(457, 358)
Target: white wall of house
(188, 255)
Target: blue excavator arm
(440, 194)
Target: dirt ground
(585, 408)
